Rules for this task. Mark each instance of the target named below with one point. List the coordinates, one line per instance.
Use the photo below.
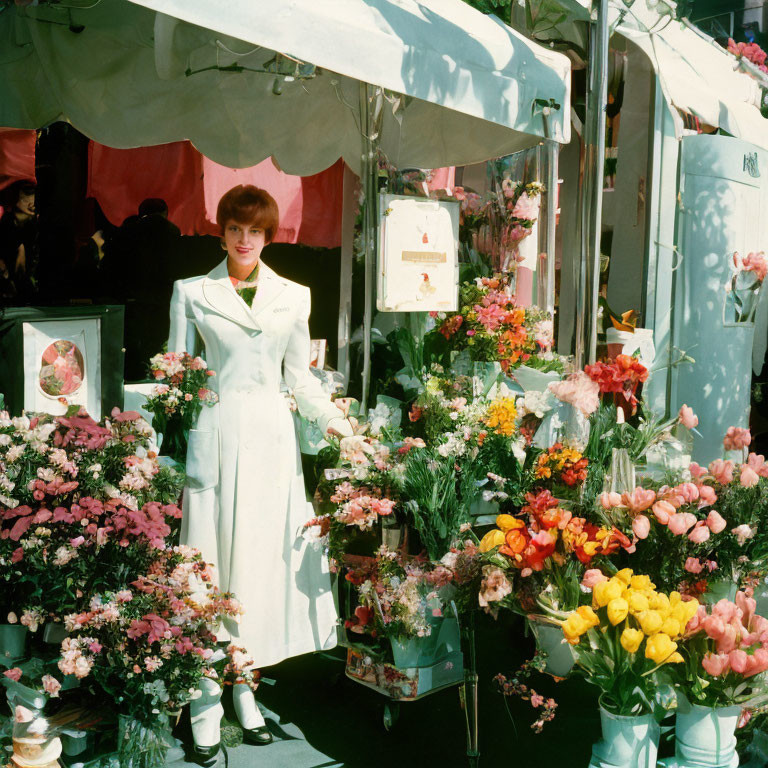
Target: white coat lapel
(270, 286)
(221, 296)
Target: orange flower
(515, 541)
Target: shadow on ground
(321, 719)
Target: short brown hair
(246, 204)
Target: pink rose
(715, 665)
(715, 521)
(749, 478)
(722, 471)
(51, 685)
(688, 418)
(696, 470)
(700, 533)
(593, 576)
(742, 533)
(641, 527)
(692, 565)
(737, 438)
(13, 674)
(757, 462)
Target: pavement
(321, 719)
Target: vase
(629, 741)
(142, 745)
(721, 589)
(13, 641)
(411, 652)
(174, 442)
(550, 639)
(54, 632)
(705, 737)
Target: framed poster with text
(418, 255)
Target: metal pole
(591, 188)
(553, 181)
(368, 177)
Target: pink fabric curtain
(192, 185)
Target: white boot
(247, 710)
(205, 713)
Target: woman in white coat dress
(245, 501)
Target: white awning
(139, 76)
(698, 76)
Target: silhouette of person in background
(137, 272)
(18, 244)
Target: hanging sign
(418, 255)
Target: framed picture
(418, 255)
(52, 357)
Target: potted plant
(621, 641)
(725, 654)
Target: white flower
(5, 439)
(518, 449)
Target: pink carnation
(737, 438)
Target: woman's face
(244, 243)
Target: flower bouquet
(491, 328)
(725, 661)
(622, 641)
(177, 401)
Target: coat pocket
(202, 459)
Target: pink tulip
(716, 522)
(738, 660)
(692, 565)
(687, 417)
(696, 470)
(700, 533)
(688, 491)
(641, 527)
(726, 610)
(728, 641)
(638, 500)
(749, 478)
(759, 661)
(609, 500)
(722, 471)
(715, 665)
(662, 511)
(736, 438)
(680, 522)
(757, 462)
(747, 605)
(707, 496)
(591, 577)
(714, 626)
(695, 624)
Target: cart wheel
(391, 714)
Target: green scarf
(246, 289)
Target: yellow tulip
(630, 639)
(671, 627)
(617, 610)
(650, 622)
(675, 658)
(658, 601)
(590, 547)
(659, 648)
(588, 615)
(574, 627)
(605, 591)
(641, 582)
(691, 608)
(625, 575)
(675, 598)
(637, 602)
(492, 539)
